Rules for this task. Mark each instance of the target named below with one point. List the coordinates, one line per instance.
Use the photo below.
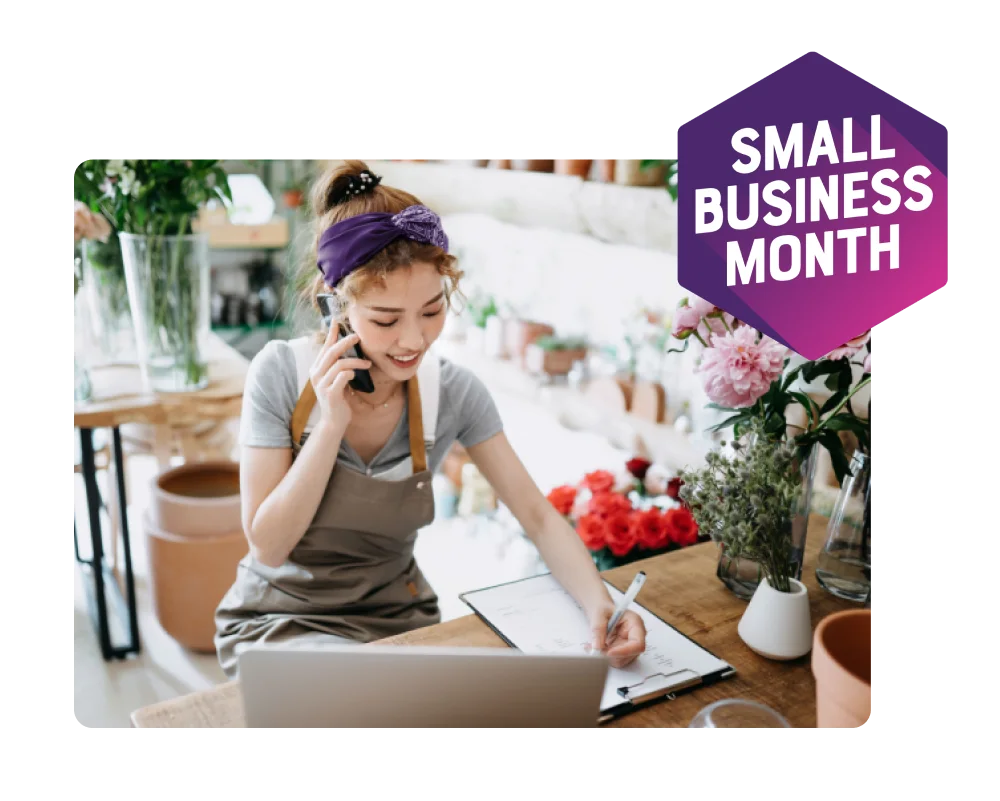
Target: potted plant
(745, 503)
(749, 378)
(554, 355)
(629, 515)
(152, 204)
(481, 309)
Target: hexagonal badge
(812, 205)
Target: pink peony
(686, 320)
(849, 348)
(868, 363)
(738, 369)
(701, 306)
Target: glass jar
(844, 564)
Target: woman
(336, 480)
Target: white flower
(115, 167)
(127, 181)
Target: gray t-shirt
(466, 411)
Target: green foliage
(482, 309)
(158, 197)
(671, 165)
(559, 343)
(746, 502)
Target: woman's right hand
(329, 375)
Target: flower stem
(840, 405)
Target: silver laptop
(384, 685)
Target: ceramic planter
(188, 578)
(777, 624)
(842, 665)
(199, 499)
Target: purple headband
(348, 244)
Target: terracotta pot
(198, 499)
(521, 333)
(533, 165)
(552, 362)
(500, 164)
(188, 577)
(293, 198)
(842, 665)
(577, 167)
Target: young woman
(336, 480)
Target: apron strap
(303, 408)
(418, 451)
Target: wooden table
(681, 587)
(118, 398)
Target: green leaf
(832, 402)
(734, 420)
(814, 370)
(807, 403)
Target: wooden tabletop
(119, 396)
(681, 588)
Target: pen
(630, 593)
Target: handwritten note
(537, 615)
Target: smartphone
(362, 381)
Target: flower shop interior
(611, 381)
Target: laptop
(397, 686)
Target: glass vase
(844, 564)
(168, 289)
(106, 293)
(742, 575)
(82, 343)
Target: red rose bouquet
(630, 515)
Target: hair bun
(351, 185)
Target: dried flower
(746, 502)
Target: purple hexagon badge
(812, 205)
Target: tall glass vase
(168, 289)
(742, 575)
(845, 562)
(106, 293)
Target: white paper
(538, 616)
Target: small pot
(552, 362)
(533, 165)
(521, 333)
(293, 198)
(577, 167)
(842, 665)
(198, 499)
(776, 624)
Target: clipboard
(656, 677)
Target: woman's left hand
(625, 643)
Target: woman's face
(398, 323)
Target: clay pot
(293, 198)
(842, 665)
(198, 499)
(577, 167)
(521, 333)
(500, 164)
(552, 362)
(534, 165)
(188, 577)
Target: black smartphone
(362, 381)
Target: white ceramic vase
(777, 624)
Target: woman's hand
(625, 643)
(329, 375)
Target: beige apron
(352, 576)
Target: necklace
(384, 404)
